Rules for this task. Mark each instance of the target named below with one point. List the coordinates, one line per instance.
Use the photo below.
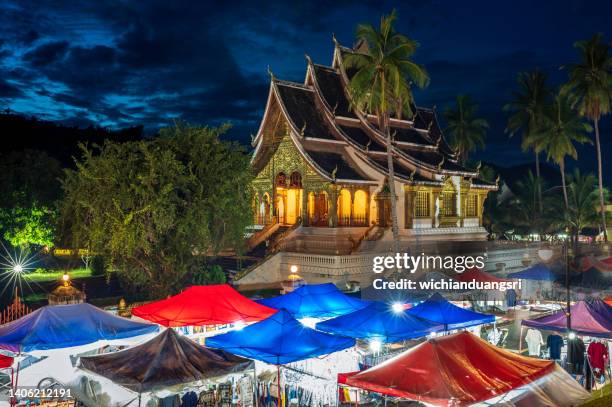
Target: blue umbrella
(380, 321)
(278, 340)
(536, 272)
(64, 326)
(315, 301)
(439, 310)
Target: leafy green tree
(209, 274)
(561, 129)
(30, 188)
(528, 107)
(153, 209)
(466, 130)
(381, 84)
(583, 200)
(591, 81)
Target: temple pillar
(432, 208)
(463, 207)
(304, 211)
(409, 198)
(333, 206)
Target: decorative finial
(333, 173)
(270, 73)
(308, 58)
(368, 145)
(479, 166)
(412, 174)
(334, 109)
(252, 138)
(335, 40)
(497, 180)
(441, 163)
(438, 142)
(303, 130)
(429, 125)
(393, 135)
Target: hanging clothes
(534, 342)
(575, 351)
(554, 343)
(511, 298)
(598, 355)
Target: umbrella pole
(278, 384)
(12, 384)
(139, 399)
(16, 380)
(521, 340)
(255, 387)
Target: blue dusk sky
(123, 63)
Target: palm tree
(467, 131)
(381, 84)
(528, 105)
(591, 82)
(561, 128)
(583, 199)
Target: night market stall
(315, 301)
(380, 323)
(437, 309)
(45, 339)
(283, 340)
(203, 305)
(165, 369)
(538, 281)
(462, 369)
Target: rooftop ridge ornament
(272, 77)
(308, 59)
(252, 139)
(412, 174)
(335, 40)
(497, 180)
(334, 109)
(303, 130)
(333, 173)
(367, 146)
(441, 163)
(393, 135)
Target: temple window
(360, 206)
(472, 204)
(281, 180)
(344, 208)
(449, 203)
(421, 209)
(295, 181)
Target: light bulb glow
(293, 268)
(572, 335)
(375, 345)
(65, 277)
(18, 268)
(397, 307)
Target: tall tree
(591, 81)
(528, 106)
(466, 130)
(583, 198)
(561, 129)
(381, 84)
(154, 209)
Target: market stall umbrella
(6, 362)
(539, 272)
(203, 305)
(164, 361)
(379, 321)
(437, 309)
(65, 326)
(278, 340)
(588, 318)
(462, 369)
(315, 301)
(480, 276)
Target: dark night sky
(121, 63)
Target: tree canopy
(156, 208)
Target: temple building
(321, 166)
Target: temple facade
(320, 163)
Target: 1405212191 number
(35, 393)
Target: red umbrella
(204, 305)
(479, 275)
(459, 369)
(5, 362)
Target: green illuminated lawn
(56, 275)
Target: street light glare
(18, 268)
(397, 307)
(375, 345)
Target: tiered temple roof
(338, 140)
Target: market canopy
(203, 305)
(5, 361)
(65, 326)
(538, 271)
(164, 361)
(480, 276)
(588, 318)
(315, 301)
(462, 369)
(378, 321)
(437, 309)
(278, 340)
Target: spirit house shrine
(321, 164)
